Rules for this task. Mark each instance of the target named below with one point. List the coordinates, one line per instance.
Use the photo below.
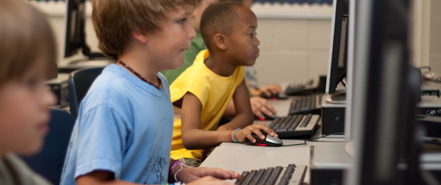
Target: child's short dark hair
(218, 18)
(115, 20)
(26, 37)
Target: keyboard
(295, 126)
(291, 175)
(302, 88)
(306, 104)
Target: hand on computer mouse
(261, 106)
(266, 117)
(268, 141)
(257, 129)
(271, 89)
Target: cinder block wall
(294, 39)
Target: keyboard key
(249, 177)
(274, 175)
(265, 176)
(257, 177)
(287, 175)
(270, 176)
(306, 120)
(241, 178)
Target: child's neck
(2, 154)
(145, 68)
(219, 65)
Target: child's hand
(204, 175)
(256, 129)
(260, 105)
(209, 181)
(271, 88)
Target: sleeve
(101, 141)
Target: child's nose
(48, 98)
(257, 42)
(192, 32)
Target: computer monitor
(384, 103)
(75, 34)
(338, 45)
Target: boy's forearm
(239, 121)
(101, 177)
(202, 139)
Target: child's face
(197, 13)
(242, 46)
(168, 44)
(24, 112)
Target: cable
(324, 136)
(298, 144)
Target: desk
(239, 157)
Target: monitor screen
(338, 45)
(75, 34)
(384, 103)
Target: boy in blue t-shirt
(124, 127)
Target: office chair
(49, 162)
(78, 85)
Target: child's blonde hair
(25, 37)
(115, 20)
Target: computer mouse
(267, 118)
(268, 141)
(274, 96)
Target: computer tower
(333, 117)
(328, 163)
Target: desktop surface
(240, 157)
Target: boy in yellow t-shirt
(202, 92)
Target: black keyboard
(306, 104)
(295, 126)
(302, 88)
(291, 175)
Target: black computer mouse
(274, 96)
(268, 141)
(267, 118)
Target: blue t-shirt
(124, 126)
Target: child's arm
(193, 137)
(267, 90)
(197, 176)
(244, 118)
(181, 172)
(259, 106)
(100, 177)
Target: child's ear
(220, 41)
(140, 37)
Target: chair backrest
(49, 162)
(78, 84)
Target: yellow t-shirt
(213, 91)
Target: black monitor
(75, 35)
(338, 46)
(385, 151)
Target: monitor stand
(337, 98)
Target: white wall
(435, 36)
(294, 39)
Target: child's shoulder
(21, 171)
